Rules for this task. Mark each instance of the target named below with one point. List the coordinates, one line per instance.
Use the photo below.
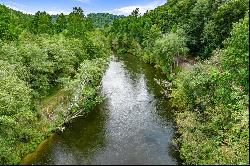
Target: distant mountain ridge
(99, 19)
(102, 19)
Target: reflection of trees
(132, 64)
(137, 67)
(86, 134)
(83, 138)
(163, 113)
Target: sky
(118, 7)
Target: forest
(39, 57)
(43, 56)
(211, 97)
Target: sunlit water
(133, 125)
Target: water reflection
(133, 126)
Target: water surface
(132, 126)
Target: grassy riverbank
(56, 110)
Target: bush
(168, 47)
(212, 99)
(84, 88)
(34, 64)
(16, 114)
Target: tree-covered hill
(102, 19)
(12, 22)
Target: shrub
(212, 101)
(168, 47)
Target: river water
(134, 125)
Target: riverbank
(77, 98)
(204, 113)
(211, 97)
(133, 123)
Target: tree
(4, 23)
(16, 113)
(219, 27)
(41, 23)
(168, 47)
(153, 34)
(12, 23)
(199, 16)
(76, 23)
(101, 20)
(135, 13)
(236, 54)
(61, 23)
(213, 102)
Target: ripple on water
(131, 127)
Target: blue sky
(120, 7)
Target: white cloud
(142, 8)
(18, 7)
(16, 4)
(23, 8)
(54, 12)
(83, 1)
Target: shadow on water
(75, 145)
(133, 125)
(137, 68)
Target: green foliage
(200, 14)
(168, 47)
(218, 28)
(37, 55)
(41, 23)
(89, 76)
(212, 99)
(13, 87)
(100, 20)
(61, 23)
(207, 24)
(151, 36)
(46, 59)
(41, 52)
(12, 23)
(5, 23)
(77, 24)
(99, 43)
(236, 55)
(212, 96)
(16, 115)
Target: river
(134, 125)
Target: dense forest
(43, 56)
(100, 20)
(39, 57)
(211, 97)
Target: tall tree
(220, 25)
(61, 23)
(41, 23)
(76, 23)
